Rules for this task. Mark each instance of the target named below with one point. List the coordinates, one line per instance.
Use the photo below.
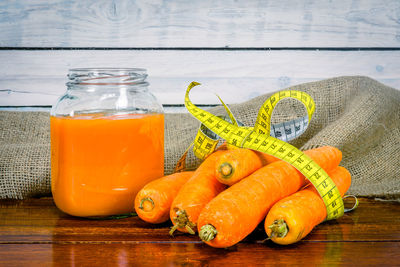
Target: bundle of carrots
(234, 190)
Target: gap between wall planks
(207, 23)
(37, 77)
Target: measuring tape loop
(273, 142)
(355, 204)
(206, 140)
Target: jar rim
(107, 76)
(108, 69)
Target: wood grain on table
(35, 232)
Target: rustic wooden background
(239, 49)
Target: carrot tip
(207, 232)
(182, 221)
(226, 170)
(146, 208)
(279, 228)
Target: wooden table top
(34, 232)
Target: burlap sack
(358, 115)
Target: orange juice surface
(98, 164)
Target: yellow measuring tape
(261, 138)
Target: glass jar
(107, 141)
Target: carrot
(195, 194)
(153, 201)
(293, 217)
(239, 163)
(237, 211)
(266, 158)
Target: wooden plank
(197, 254)
(210, 23)
(38, 77)
(34, 232)
(38, 220)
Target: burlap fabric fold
(358, 115)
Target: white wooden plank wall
(200, 23)
(246, 73)
(239, 49)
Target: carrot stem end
(182, 221)
(278, 229)
(143, 200)
(173, 229)
(226, 170)
(207, 232)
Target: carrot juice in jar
(107, 142)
